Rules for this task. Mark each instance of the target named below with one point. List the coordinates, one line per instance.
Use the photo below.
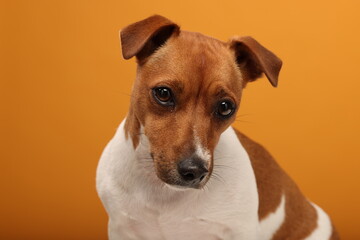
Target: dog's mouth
(181, 184)
(190, 172)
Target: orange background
(64, 89)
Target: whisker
(205, 188)
(218, 178)
(244, 115)
(222, 157)
(238, 120)
(222, 166)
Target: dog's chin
(181, 186)
(178, 188)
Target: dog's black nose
(192, 170)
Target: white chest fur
(140, 206)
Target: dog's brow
(221, 92)
(172, 83)
(177, 85)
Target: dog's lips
(178, 187)
(186, 186)
(176, 182)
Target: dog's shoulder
(267, 172)
(301, 216)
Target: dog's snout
(192, 170)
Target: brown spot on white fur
(272, 182)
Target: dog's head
(187, 92)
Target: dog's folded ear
(142, 38)
(254, 59)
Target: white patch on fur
(200, 151)
(140, 206)
(270, 224)
(323, 230)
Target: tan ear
(254, 59)
(142, 38)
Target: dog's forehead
(195, 57)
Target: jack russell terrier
(175, 168)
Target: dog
(175, 168)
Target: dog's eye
(163, 96)
(225, 108)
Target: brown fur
(135, 36)
(272, 181)
(255, 59)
